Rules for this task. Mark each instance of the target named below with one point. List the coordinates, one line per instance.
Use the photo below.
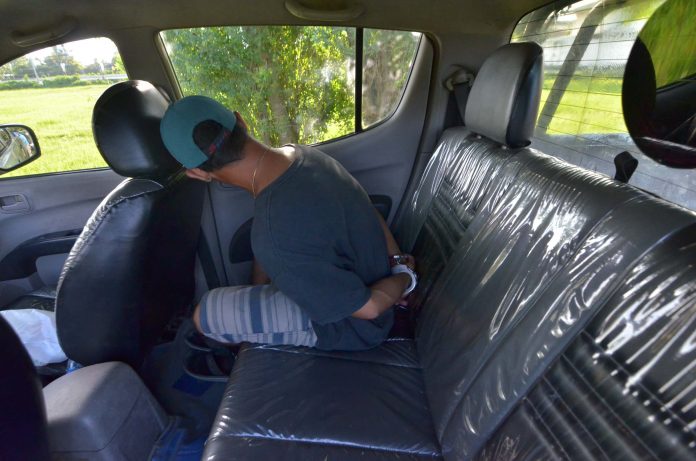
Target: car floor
(192, 402)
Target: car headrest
(125, 124)
(504, 99)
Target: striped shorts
(255, 314)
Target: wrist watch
(404, 269)
(398, 259)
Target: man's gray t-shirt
(319, 239)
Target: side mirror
(18, 146)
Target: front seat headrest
(504, 99)
(125, 124)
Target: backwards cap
(180, 121)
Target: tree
(387, 59)
(59, 63)
(95, 68)
(21, 68)
(290, 83)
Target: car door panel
(40, 235)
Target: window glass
(293, 84)
(586, 47)
(387, 61)
(659, 88)
(53, 91)
(670, 37)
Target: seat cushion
(307, 405)
(399, 352)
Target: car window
(586, 47)
(53, 91)
(296, 84)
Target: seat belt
(626, 165)
(459, 85)
(206, 258)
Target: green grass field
(61, 119)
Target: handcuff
(398, 263)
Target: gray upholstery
(103, 412)
(527, 262)
(504, 99)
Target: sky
(84, 51)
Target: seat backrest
(23, 433)
(533, 275)
(624, 389)
(466, 167)
(537, 260)
(132, 267)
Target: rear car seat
(527, 260)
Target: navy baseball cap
(180, 121)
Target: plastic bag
(37, 331)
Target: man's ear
(197, 173)
(240, 120)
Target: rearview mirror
(18, 146)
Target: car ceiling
(439, 18)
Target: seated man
(315, 233)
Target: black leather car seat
(132, 267)
(559, 327)
(23, 433)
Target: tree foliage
(292, 84)
(670, 35)
(60, 62)
(387, 59)
(18, 69)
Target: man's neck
(260, 166)
(271, 166)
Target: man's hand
(411, 263)
(385, 293)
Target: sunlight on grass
(62, 121)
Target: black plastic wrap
(285, 405)
(399, 352)
(462, 180)
(625, 388)
(553, 246)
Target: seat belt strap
(459, 84)
(206, 258)
(626, 165)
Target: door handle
(14, 203)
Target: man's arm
(258, 276)
(385, 293)
(392, 246)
